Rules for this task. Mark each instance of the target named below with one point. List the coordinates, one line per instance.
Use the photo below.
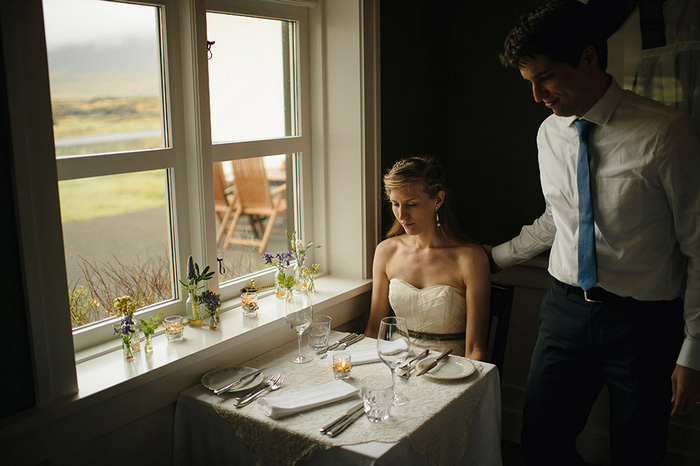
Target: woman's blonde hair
(427, 174)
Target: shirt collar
(601, 112)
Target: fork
(404, 370)
(263, 385)
(272, 385)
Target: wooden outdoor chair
(223, 200)
(499, 321)
(255, 199)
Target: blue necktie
(587, 262)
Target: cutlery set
(245, 378)
(344, 421)
(272, 384)
(342, 343)
(404, 370)
(434, 363)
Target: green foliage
(287, 280)
(80, 306)
(195, 277)
(149, 326)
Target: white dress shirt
(645, 183)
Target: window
(134, 196)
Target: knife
(350, 342)
(237, 382)
(345, 424)
(405, 369)
(349, 413)
(434, 363)
(335, 345)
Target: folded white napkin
(304, 400)
(369, 355)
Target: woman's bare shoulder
(389, 246)
(473, 256)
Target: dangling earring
(437, 217)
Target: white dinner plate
(452, 367)
(221, 377)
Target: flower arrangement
(125, 307)
(297, 248)
(309, 274)
(148, 327)
(211, 302)
(280, 261)
(298, 251)
(193, 285)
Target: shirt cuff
(502, 257)
(690, 354)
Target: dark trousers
(631, 346)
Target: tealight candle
(174, 327)
(249, 304)
(341, 365)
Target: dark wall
(16, 375)
(445, 92)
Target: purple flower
(210, 300)
(267, 257)
(125, 326)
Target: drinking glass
(393, 346)
(377, 396)
(299, 311)
(319, 331)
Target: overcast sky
(70, 22)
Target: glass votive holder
(249, 304)
(341, 365)
(174, 328)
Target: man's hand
(686, 390)
(494, 267)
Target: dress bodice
(436, 316)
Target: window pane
(250, 81)
(105, 76)
(249, 194)
(117, 242)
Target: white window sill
(101, 368)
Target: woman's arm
(380, 307)
(477, 278)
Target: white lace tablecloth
(435, 422)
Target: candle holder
(249, 303)
(174, 328)
(341, 365)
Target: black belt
(594, 295)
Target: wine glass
(393, 346)
(298, 312)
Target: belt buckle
(590, 300)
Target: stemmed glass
(393, 346)
(299, 312)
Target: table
(203, 436)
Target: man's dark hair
(558, 29)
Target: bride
(426, 270)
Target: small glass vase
(213, 320)
(136, 339)
(128, 350)
(300, 278)
(148, 343)
(280, 290)
(194, 316)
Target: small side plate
(454, 367)
(218, 378)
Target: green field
(106, 196)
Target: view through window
(252, 98)
(107, 98)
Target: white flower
(299, 244)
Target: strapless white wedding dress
(436, 316)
